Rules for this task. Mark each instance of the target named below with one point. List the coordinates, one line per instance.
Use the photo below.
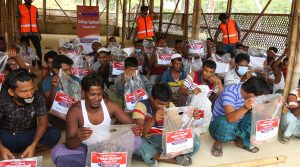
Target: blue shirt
(167, 76)
(46, 84)
(232, 96)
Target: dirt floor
(203, 158)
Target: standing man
(231, 33)
(144, 24)
(27, 15)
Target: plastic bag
(26, 162)
(116, 150)
(164, 55)
(61, 104)
(187, 66)
(266, 118)
(196, 47)
(148, 47)
(3, 61)
(70, 47)
(203, 105)
(2, 78)
(69, 85)
(118, 68)
(177, 136)
(134, 91)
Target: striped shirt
(232, 96)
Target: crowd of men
(24, 108)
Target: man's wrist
(246, 108)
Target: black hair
(220, 52)
(285, 59)
(274, 49)
(162, 92)
(159, 38)
(51, 54)
(2, 38)
(24, 39)
(223, 16)
(257, 86)
(177, 41)
(111, 38)
(210, 64)
(60, 59)
(241, 57)
(131, 62)
(11, 79)
(239, 45)
(144, 8)
(210, 39)
(91, 80)
(140, 41)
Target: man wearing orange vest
(144, 24)
(27, 15)
(231, 33)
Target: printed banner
(1, 80)
(62, 103)
(26, 162)
(196, 47)
(266, 129)
(132, 98)
(113, 159)
(179, 140)
(164, 59)
(118, 68)
(88, 26)
(81, 72)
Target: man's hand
(248, 103)
(196, 114)
(6, 154)
(29, 152)
(159, 115)
(196, 91)
(214, 79)
(55, 81)
(84, 133)
(248, 75)
(12, 54)
(137, 130)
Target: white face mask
(242, 70)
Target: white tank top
(279, 85)
(100, 131)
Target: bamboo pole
(44, 16)
(151, 5)
(131, 30)
(117, 14)
(83, 3)
(256, 20)
(124, 23)
(97, 2)
(161, 8)
(129, 13)
(186, 19)
(107, 20)
(171, 18)
(66, 13)
(1, 19)
(290, 23)
(229, 7)
(293, 47)
(90, 2)
(257, 162)
(196, 19)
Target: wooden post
(124, 23)
(229, 7)
(161, 9)
(129, 13)
(172, 18)
(97, 2)
(196, 19)
(151, 5)
(290, 23)
(186, 19)
(294, 40)
(83, 3)
(90, 2)
(117, 14)
(44, 16)
(256, 20)
(107, 20)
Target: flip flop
(217, 150)
(184, 160)
(251, 149)
(284, 140)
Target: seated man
(290, 122)
(179, 48)
(50, 84)
(241, 72)
(105, 70)
(95, 46)
(231, 120)
(150, 114)
(175, 75)
(23, 117)
(48, 58)
(205, 76)
(102, 52)
(131, 67)
(88, 121)
(140, 54)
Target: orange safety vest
(28, 19)
(230, 34)
(144, 27)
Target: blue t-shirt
(232, 96)
(46, 84)
(167, 76)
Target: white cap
(103, 50)
(96, 41)
(175, 56)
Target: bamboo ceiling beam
(229, 7)
(161, 8)
(186, 19)
(171, 18)
(124, 23)
(256, 20)
(107, 20)
(196, 19)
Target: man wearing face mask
(144, 25)
(23, 118)
(241, 73)
(27, 15)
(141, 56)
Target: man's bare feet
(217, 149)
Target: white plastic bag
(116, 150)
(203, 105)
(148, 47)
(61, 104)
(196, 47)
(177, 136)
(26, 162)
(118, 68)
(3, 61)
(69, 85)
(164, 55)
(266, 114)
(134, 91)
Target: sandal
(184, 160)
(284, 140)
(251, 149)
(217, 150)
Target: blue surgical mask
(138, 50)
(242, 70)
